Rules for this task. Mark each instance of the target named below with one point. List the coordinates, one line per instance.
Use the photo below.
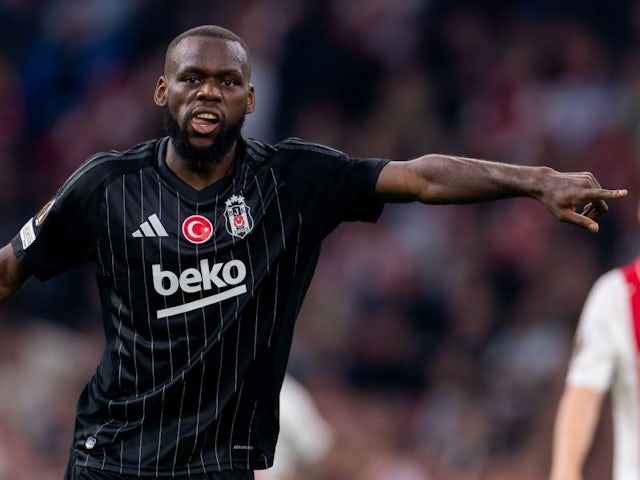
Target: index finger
(598, 206)
(601, 194)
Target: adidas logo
(151, 228)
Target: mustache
(228, 135)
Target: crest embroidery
(239, 222)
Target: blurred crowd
(435, 343)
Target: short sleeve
(352, 189)
(595, 351)
(329, 185)
(56, 238)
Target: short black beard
(212, 155)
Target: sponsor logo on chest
(227, 277)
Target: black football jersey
(199, 294)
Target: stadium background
(434, 342)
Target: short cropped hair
(214, 31)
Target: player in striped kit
(605, 358)
(205, 244)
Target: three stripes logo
(151, 228)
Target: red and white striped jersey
(606, 358)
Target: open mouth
(205, 122)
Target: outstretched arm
(576, 422)
(12, 274)
(442, 179)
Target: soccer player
(605, 358)
(204, 244)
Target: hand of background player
(562, 193)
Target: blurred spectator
(305, 437)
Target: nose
(209, 90)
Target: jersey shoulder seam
(102, 159)
(295, 143)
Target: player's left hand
(563, 193)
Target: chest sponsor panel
(169, 257)
(215, 282)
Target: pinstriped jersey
(199, 294)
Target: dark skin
(212, 74)
(205, 76)
(442, 179)
(206, 88)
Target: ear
(251, 100)
(160, 94)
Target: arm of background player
(576, 421)
(12, 274)
(441, 179)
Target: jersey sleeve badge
(28, 231)
(27, 234)
(44, 211)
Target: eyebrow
(203, 71)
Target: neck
(199, 175)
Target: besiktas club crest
(239, 222)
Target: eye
(229, 82)
(191, 80)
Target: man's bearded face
(214, 154)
